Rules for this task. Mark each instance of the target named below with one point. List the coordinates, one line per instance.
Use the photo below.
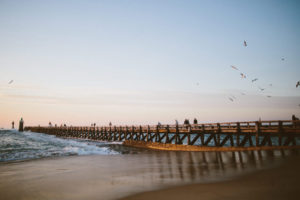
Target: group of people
(185, 122)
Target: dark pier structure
(231, 136)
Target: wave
(16, 145)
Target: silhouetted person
(13, 125)
(294, 118)
(195, 121)
(21, 124)
(50, 124)
(186, 122)
(176, 122)
(110, 124)
(158, 124)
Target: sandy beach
(211, 175)
(280, 182)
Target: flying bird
(233, 67)
(262, 89)
(243, 75)
(243, 93)
(298, 83)
(282, 59)
(254, 80)
(230, 99)
(245, 43)
(269, 96)
(233, 97)
(10, 82)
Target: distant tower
(13, 125)
(21, 124)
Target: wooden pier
(231, 136)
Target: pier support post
(257, 132)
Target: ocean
(20, 146)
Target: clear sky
(140, 62)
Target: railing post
(238, 131)
(218, 134)
(176, 134)
(189, 136)
(156, 135)
(280, 132)
(257, 132)
(167, 134)
(148, 132)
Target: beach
(135, 171)
(280, 182)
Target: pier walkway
(230, 136)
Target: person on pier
(195, 121)
(13, 125)
(21, 125)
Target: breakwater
(195, 137)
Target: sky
(139, 62)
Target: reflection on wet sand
(116, 176)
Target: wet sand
(281, 182)
(111, 177)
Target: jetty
(229, 136)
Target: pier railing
(231, 134)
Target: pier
(230, 136)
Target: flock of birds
(243, 76)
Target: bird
(233, 67)
(269, 96)
(243, 75)
(230, 98)
(270, 84)
(298, 83)
(282, 59)
(254, 80)
(11, 81)
(262, 89)
(243, 93)
(245, 43)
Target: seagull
(298, 83)
(233, 97)
(10, 82)
(245, 43)
(270, 84)
(233, 67)
(243, 75)
(269, 96)
(254, 80)
(262, 89)
(230, 99)
(282, 59)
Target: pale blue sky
(140, 61)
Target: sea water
(16, 146)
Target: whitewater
(18, 146)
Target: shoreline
(181, 147)
(280, 182)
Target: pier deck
(195, 137)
